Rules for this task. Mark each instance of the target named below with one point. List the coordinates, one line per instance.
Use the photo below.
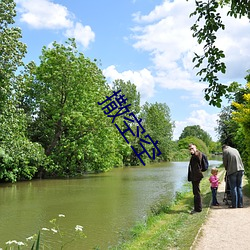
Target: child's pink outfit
(214, 186)
(214, 181)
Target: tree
(184, 142)
(196, 131)
(64, 91)
(227, 127)
(208, 23)
(20, 158)
(242, 117)
(130, 92)
(158, 124)
(12, 50)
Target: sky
(147, 42)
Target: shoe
(240, 206)
(231, 207)
(217, 204)
(194, 212)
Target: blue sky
(148, 42)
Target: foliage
(65, 118)
(196, 131)
(205, 28)
(215, 148)
(241, 115)
(159, 126)
(130, 92)
(227, 127)
(20, 158)
(201, 146)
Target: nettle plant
(49, 237)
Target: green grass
(170, 226)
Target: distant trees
(184, 142)
(196, 131)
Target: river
(105, 204)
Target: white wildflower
(54, 230)
(78, 228)
(20, 243)
(10, 242)
(45, 229)
(61, 215)
(29, 238)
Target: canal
(105, 204)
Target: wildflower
(29, 238)
(45, 229)
(61, 215)
(20, 243)
(10, 242)
(54, 230)
(78, 228)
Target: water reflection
(105, 204)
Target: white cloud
(198, 117)
(165, 33)
(44, 14)
(143, 80)
(83, 34)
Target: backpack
(204, 163)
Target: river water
(105, 204)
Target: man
(235, 169)
(195, 175)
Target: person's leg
(197, 196)
(214, 201)
(239, 188)
(233, 189)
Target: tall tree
(132, 97)
(158, 124)
(66, 119)
(19, 158)
(207, 24)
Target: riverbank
(172, 227)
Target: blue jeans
(214, 196)
(235, 182)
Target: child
(214, 185)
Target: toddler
(214, 185)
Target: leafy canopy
(205, 28)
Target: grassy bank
(170, 227)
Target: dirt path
(225, 228)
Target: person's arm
(224, 159)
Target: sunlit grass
(170, 226)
